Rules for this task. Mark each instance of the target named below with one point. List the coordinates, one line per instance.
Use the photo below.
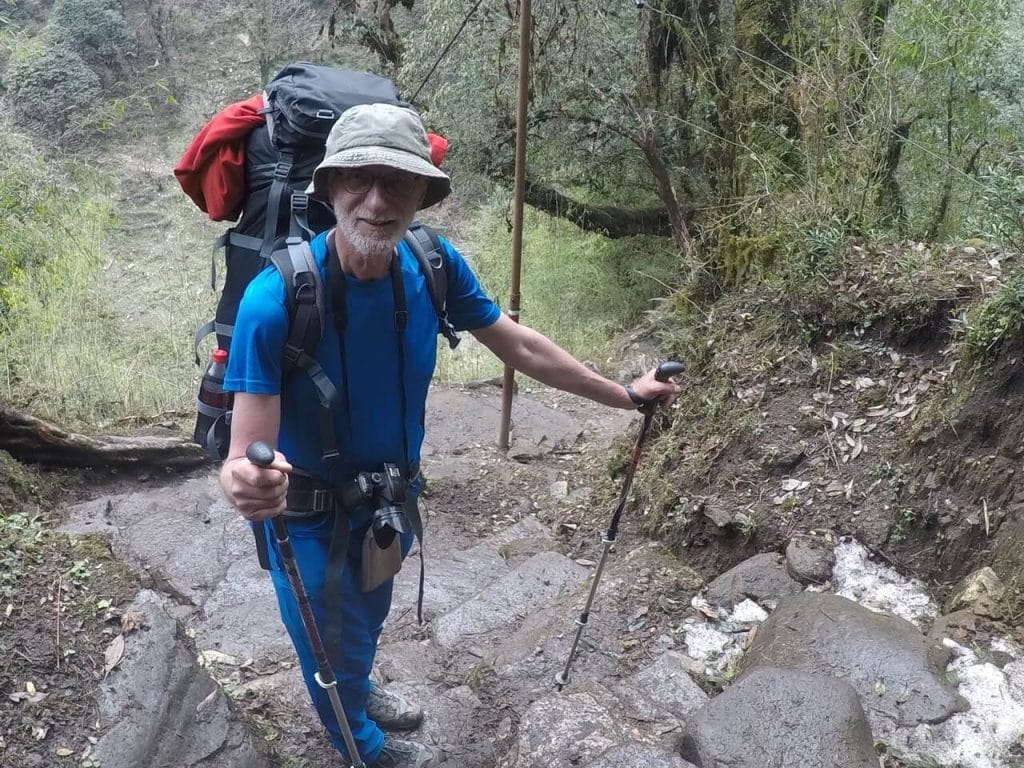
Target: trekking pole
(664, 373)
(261, 454)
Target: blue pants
(350, 622)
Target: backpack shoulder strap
(433, 260)
(305, 303)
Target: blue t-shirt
(372, 433)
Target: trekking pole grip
(668, 369)
(261, 453)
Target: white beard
(369, 247)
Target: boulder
(982, 593)
(762, 578)
(565, 731)
(157, 707)
(781, 718)
(898, 674)
(809, 559)
(663, 687)
(639, 755)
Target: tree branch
(611, 221)
(33, 440)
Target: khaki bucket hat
(381, 134)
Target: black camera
(385, 492)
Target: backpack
(257, 161)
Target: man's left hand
(650, 389)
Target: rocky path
(202, 673)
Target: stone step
(504, 604)
(589, 727)
(453, 577)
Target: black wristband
(638, 401)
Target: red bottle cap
(219, 355)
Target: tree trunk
(890, 196)
(35, 441)
(610, 221)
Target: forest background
(793, 172)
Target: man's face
(374, 206)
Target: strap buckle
(300, 201)
(281, 171)
(323, 500)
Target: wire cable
(447, 48)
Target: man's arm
(540, 358)
(258, 493)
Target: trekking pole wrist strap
(638, 401)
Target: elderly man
(376, 174)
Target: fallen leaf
(39, 732)
(113, 655)
(64, 752)
(31, 698)
(30, 687)
(216, 657)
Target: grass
(100, 333)
(578, 288)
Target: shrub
(51, 88)
(94, 29)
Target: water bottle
(213, 406)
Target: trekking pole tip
(561, 680)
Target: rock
(639, 755)
(809, 559)
(982, 592)
(959, 626)
(899, 676)
(501, 606)
(159, 708)
(662, 687)
(460, 575)
(762, 578)
(781, 462)
(781, 718)
(565, 731)
(559, 489)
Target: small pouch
(379, 563)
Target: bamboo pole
(508, 381)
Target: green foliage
(51, 90)
(998, 320)
(582, 65)
(36, 208)
(275, 31)
(95, 29)
(21, 541)
(579, 289)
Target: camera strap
(336, 280)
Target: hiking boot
(399, 753)
(392, 712)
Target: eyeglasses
(359, 182)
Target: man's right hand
(257, 492)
